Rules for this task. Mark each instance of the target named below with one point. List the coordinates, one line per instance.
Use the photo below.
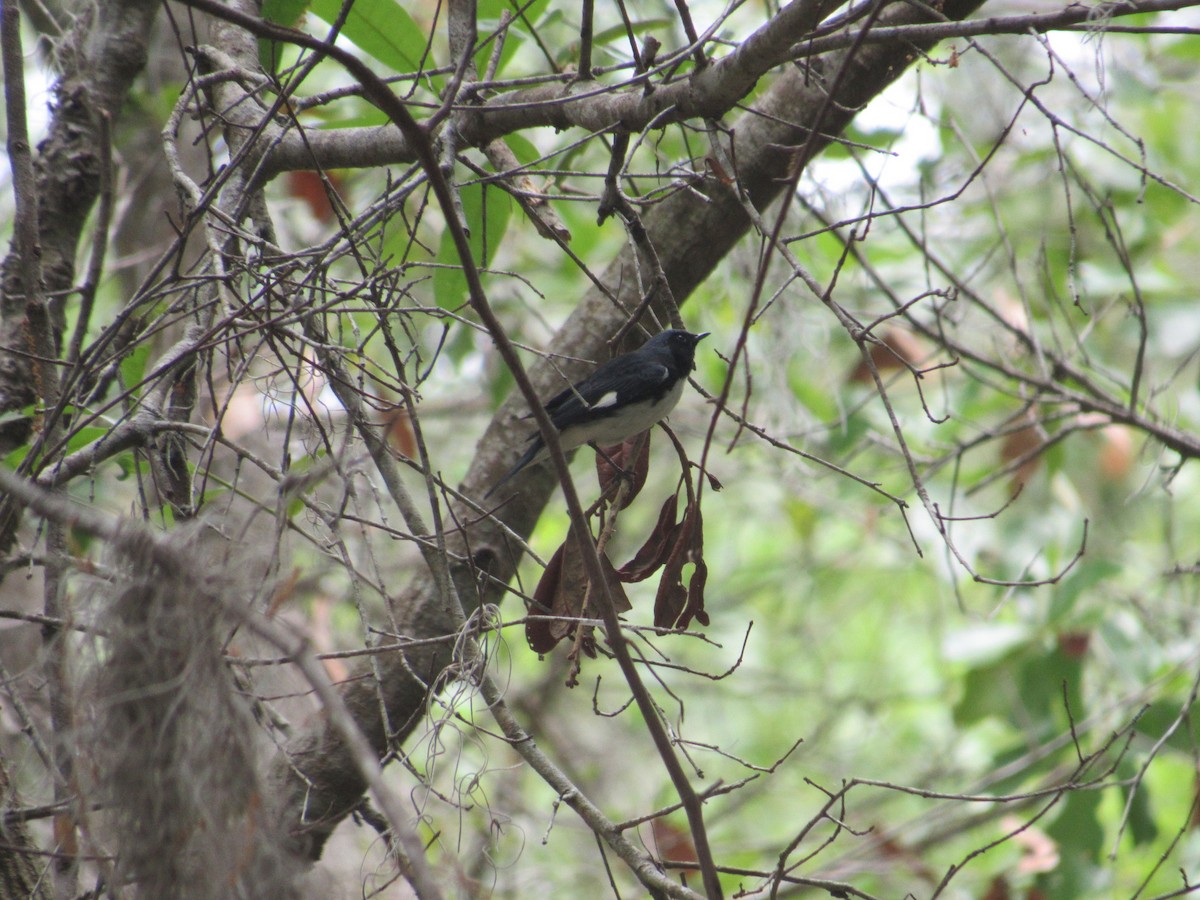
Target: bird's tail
(525, 460)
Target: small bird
(624, 397)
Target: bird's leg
(621, 472)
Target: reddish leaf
(537, 633)
(1024, 443)
(632, 456)
(65, 834)
(1074, 644)
(672, 843)
(309, 187)
(399, 434)
(561, 592)
(695, 597)
(718, 170)
(284, 593)
(675, 604)
(615, 589)
(696, 532)
(671, 598)
(654, 552)
(695, 594)
(895, 348)
(572, 587)
(1117, 452)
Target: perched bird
(624, 397)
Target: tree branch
(101, 57)
(692, 231)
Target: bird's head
(680, 344)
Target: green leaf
(523, 148)
(13, 415)
(1090, 572)
(984, 643)
(282, 12)
(844, 439)
(618, 32)
(513, 41)
(1142, 827)
(126, 463)
(987, 691)
(133, 366)
(486, 211)
(368, 117)
(381, 29)
(1042, 680)
(501, 384)
(1077, 828)
(1161, 715)
(812, 393)
(16, 457)
(85, 436)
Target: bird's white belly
(633, 420)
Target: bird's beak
(701, 337)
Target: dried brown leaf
(1024, 443)
(537, 633)
(653, 553)
(617, 590)
(896, 347)
(672, 843)
(399, 432)
(717, 170)
(632, 459)
(676, 604)
(306, 185)
(671, 599)
(563, 591)
(695, 597)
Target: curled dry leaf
(695, 595)
(1074, 644)
(676, 604)
(537, 633)
(308, 186)
(65, 834)
(1117, 452)
(566, 591)
(629, 459)
(717, 170)
(896, 348)
(400, 435)
(672, 843)
(1024, 444)
(650, 558)
(673, 544)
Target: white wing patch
(605, 400)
